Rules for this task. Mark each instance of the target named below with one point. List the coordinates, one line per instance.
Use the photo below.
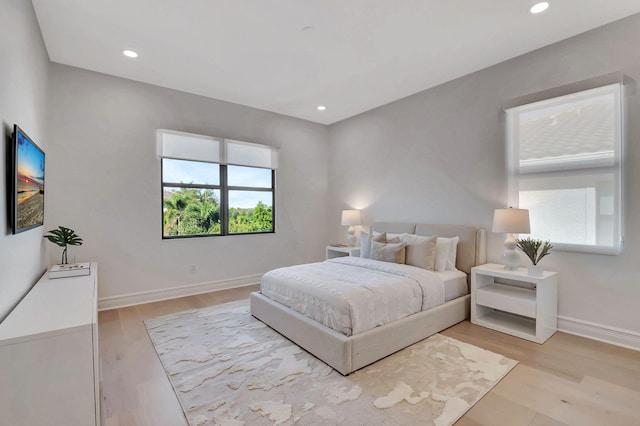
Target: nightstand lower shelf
(342, 251)
(505, 322)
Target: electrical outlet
(192, 269)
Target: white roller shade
(251, 154)
(565, 158)
(187, 146)
(576, 131)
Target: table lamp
(351, 218)
(512, 221)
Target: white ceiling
(358, 55)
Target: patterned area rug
(227, 368)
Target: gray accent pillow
(394, 252)
(420, 251)
(365, 242)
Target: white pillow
(420, 251)
(443, 248)
(453, 252)
(365, 242)
(388, 252)
(393, 238)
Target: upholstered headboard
(472, 247)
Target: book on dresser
(70, 270)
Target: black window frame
(224, 189)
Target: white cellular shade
(569, 132)
(185, 146)
(251, 154)
(566, 215)
(565, 160)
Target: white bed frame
(349, 353)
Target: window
(214, 186)
(565, 166)
(190, 198)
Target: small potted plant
(64, 237)
(535, 250)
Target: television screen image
(29, 182)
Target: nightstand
(514, 302)
(341, 251)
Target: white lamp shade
(515, 221)
(350, 217)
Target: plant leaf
(63, 236)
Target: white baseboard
(603, 333)
(615, 336)
(114, 302)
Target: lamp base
(351, 238)
(510, 257)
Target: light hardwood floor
(568, 380)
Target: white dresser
(49, 359)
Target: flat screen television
(28, 183)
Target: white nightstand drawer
(520, 301)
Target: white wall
(439, 156)
(23, 90)
(105, 180)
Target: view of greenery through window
(191, 212)
(194, 207)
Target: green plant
(531, 247)
(64, 237)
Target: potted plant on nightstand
(64, 237)
(535, 250)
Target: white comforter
(351, 294)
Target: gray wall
(104, 176)
(23, 90)
(439, 156)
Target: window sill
(577, 248)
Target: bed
(350, 348)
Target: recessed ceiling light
(539, 7)
(130, 53)
(321, 107)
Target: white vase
(535, 270)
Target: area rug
(228, 368)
